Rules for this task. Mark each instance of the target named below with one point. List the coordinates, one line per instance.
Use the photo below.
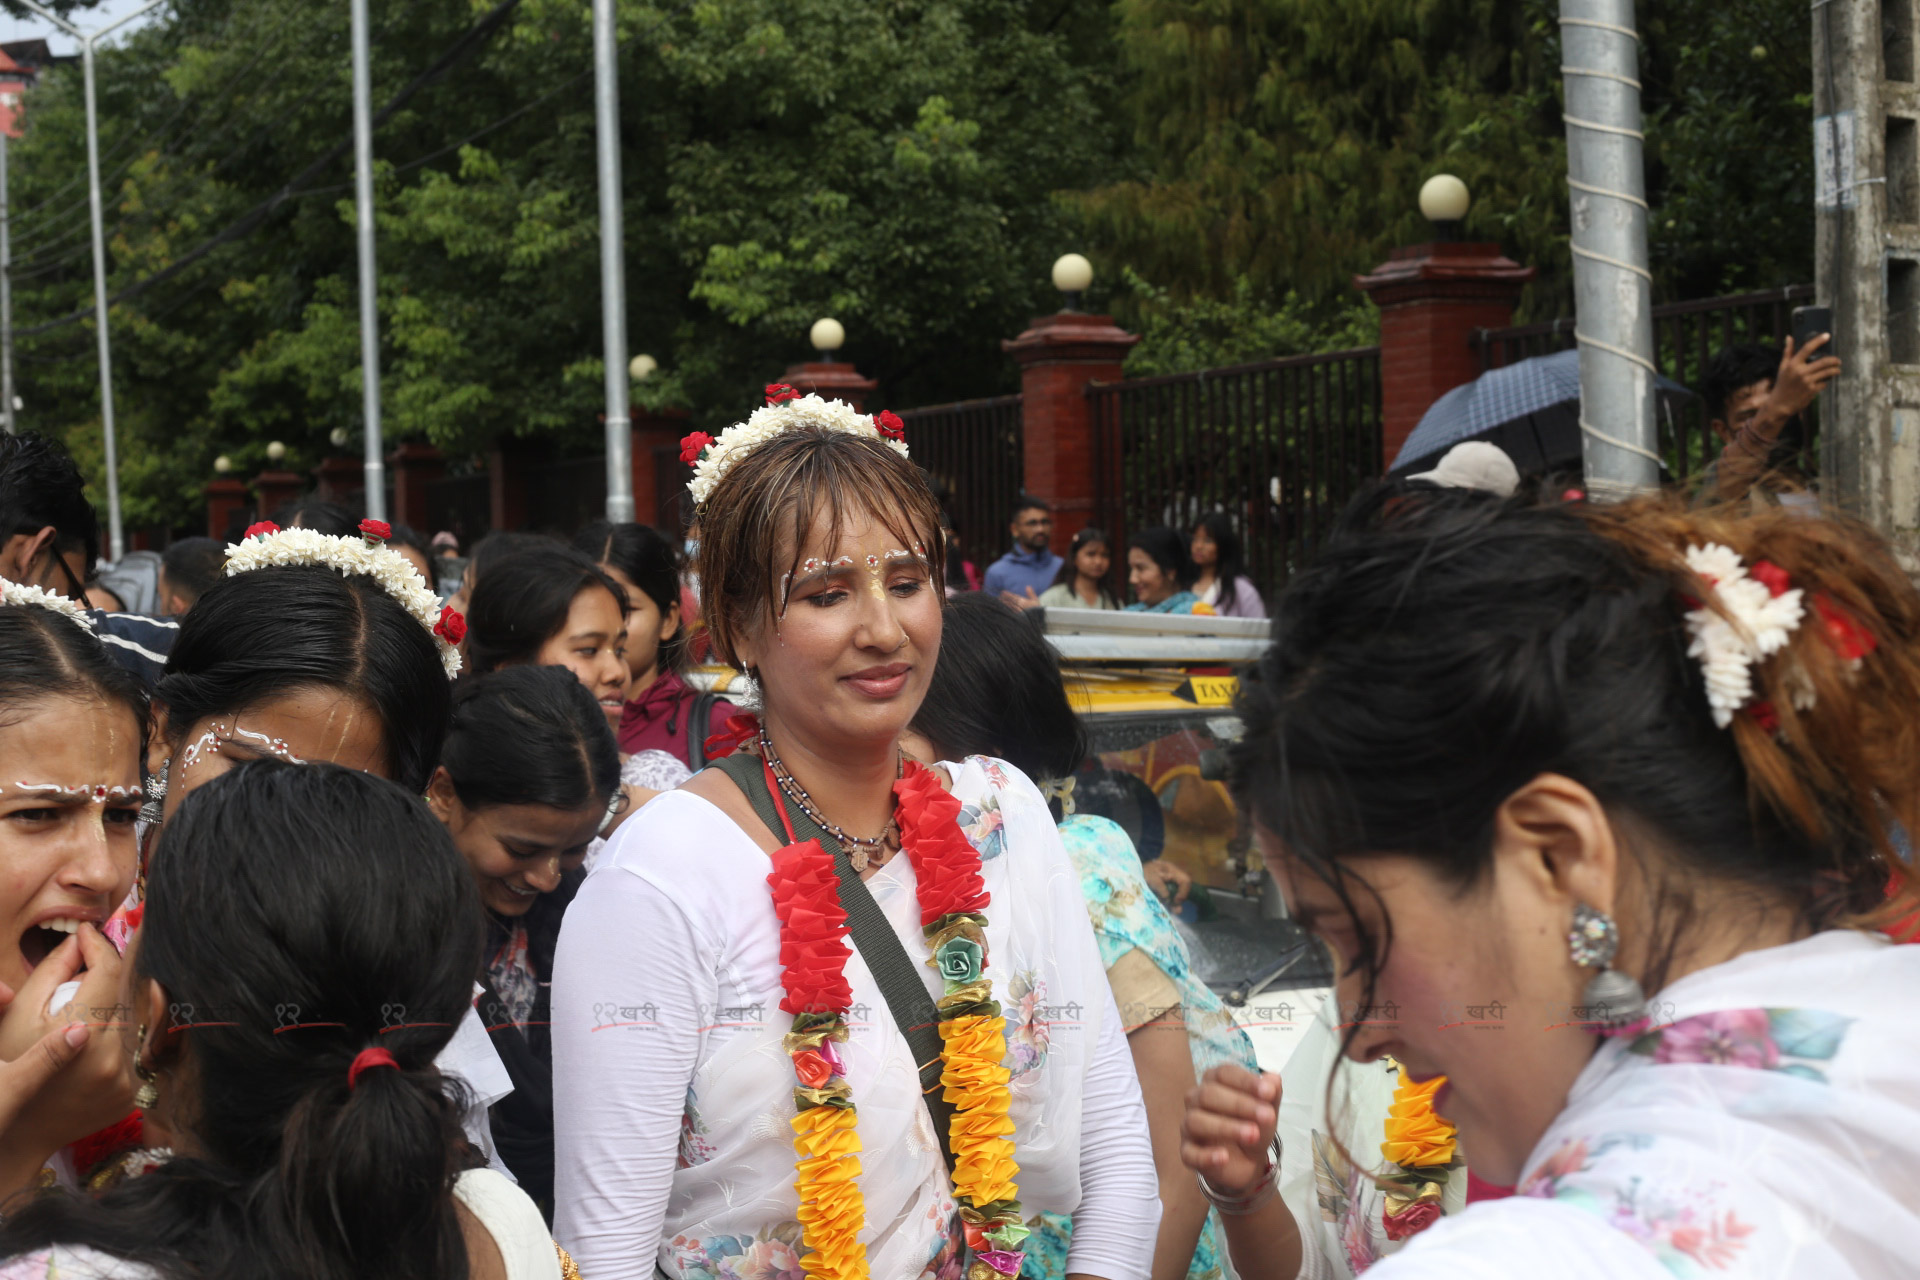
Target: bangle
(1246, 1202)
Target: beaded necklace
(861, 850)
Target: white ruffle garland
(40, 598)
(388, 569)
(1751, 624)
(768, 421)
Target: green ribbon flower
(959, 960)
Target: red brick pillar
(225, 495)
(657, 469)
(1058, 356)
(831, 380)
(276, 489)
(339, 478)
(507, 464)
(412, 465)
(1431, 299)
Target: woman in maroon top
(661, 703)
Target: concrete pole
(116, 542)
(613, 273)
(1613, 290)
(6, 296)
(375, 464)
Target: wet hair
(1229, 559)
(1069, 573)
(651, 563)
(1733, 369)
(194, 564)
(269, 632)
(319, 516)
(530, 735)
(44, 655)
(340, 899)
(997, 691)
(41, 486)
(1446, 649)
(1166, 548)
(521, 600)
(756, 523)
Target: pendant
(860, 857)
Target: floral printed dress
(1768, 1126)
(1129, 923)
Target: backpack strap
(699, 725)
(913, 1010)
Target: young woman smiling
(701, 980)
(1158, 570)
(523, 787)
(1602, 812)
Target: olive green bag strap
(900, 985)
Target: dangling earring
(149, 1091)
(1614, 1001)
(155, 803)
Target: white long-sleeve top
(673, 1094)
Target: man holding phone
(1754, 403)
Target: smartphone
(1808, 324)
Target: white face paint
(218, 734)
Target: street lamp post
(613, 274)
(6, 296)
(116, 543)
(375, 461)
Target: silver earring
(155, 803)
(1614, 1001)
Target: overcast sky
(12, 28)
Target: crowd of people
(358, 933)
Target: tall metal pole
(6, 296)
(1613, 290)
(116, 544)
(613, 274)
(375, 465)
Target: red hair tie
(367, 1060)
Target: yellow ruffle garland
(832, 1211)
(1416, 1136)
(975, 1082)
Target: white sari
(667, 1029)
(1769, 1129)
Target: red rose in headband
(375, 530)
(888, 424)
(452, 627)
(692, 446)
(780, 393)
(265, 526)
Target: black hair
(44, 655)
(997, 691)
(520, 601)
(407, 536)
(530, 735)
(1069, 574)
(651, 563)
(41, 486)
(319, 516)
(1733, 369)
(194, 564)
(1444, 650)
(340, 901)
(501, 544)
(1166, 548)
(1027, 502)
(1230, 563)
(267, 632)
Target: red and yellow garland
(813, 955)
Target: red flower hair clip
(452, 627)
(780, 393)
(262, 528)
(692, 446)
(375, 530)
(888, 424)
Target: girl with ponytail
(1603, 813)
(309, 944)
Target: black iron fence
(973, 451)
(1280, 446)
(1685, 337)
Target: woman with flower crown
(1602, 812)
(801, 1023)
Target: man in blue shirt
(1019, 576)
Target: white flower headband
(21, 594)
(267, 545)
(784, 410)
(1758, 614)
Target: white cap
(1475, 465)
